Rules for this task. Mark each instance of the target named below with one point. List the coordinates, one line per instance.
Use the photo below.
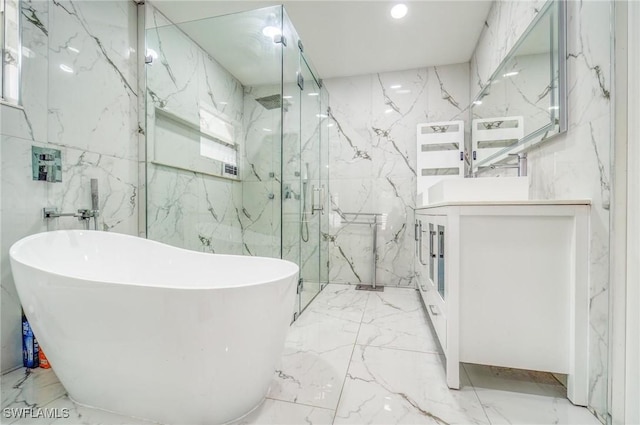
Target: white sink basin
(480, 189)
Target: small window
(11, 54)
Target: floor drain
(378, 288)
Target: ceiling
(345, 38)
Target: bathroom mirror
(524, 101)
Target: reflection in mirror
(524, 101)
(12, 51)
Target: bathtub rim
(285, 276)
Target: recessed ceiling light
(66, 68)
(399, 11)
(477, 102)
(510, 74)
(396, 86)
(271, 31)
(313, 94)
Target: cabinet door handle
(432, 233)
(433, 310)
(420, 247)
(441, 243)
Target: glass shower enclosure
(235, 154)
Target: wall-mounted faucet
(83, 214)
(521, 165)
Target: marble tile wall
(79, 73)
(575, 165)
(262, 174)
(373, 163)
(189, 209)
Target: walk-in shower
(236, 140)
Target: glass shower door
(293, 191)
(304, 169)
(313, 188)
(325, 125)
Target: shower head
(270, 102)
(274, 101)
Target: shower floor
(355, 357)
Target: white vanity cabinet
(431, 271)
(506, 284)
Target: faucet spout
(521, 165)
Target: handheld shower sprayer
(95, 203)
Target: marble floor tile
(340, 302)
(395, 318)
(29, 387)
(319, 347)
(390, 386)
(352, 357)
(285, 413)
(307, 295)
(510, 407)
(69, 413)
(315, 360)
(512, 396)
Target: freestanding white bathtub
(151, 331)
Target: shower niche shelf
(205, 148)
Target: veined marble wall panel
(117, 187)
(373, 164)
(261, 173)
(79, 71)
(194, 211)
(574, 165)
(92, 108)
(183, 78)
(92, 56)
(21, 216)
(184, 208)
(292, 201)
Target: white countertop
(505, 203)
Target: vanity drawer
(423, 286)
(436, 309)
